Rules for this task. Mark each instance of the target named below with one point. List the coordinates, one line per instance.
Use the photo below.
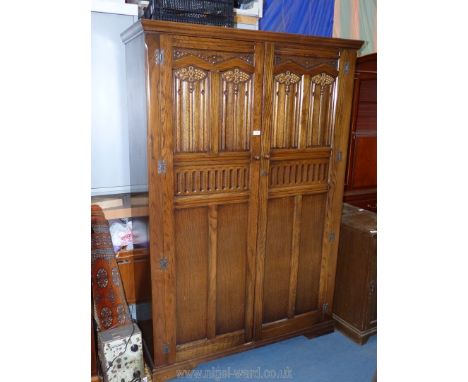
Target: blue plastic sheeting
(310, 17)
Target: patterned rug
(110, 305)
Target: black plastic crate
(209, 12)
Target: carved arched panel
(236, 105)
(287, 102)
(191, 114)
(320, 121)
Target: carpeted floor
(329, 358)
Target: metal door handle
(266, 156)
(256, 157)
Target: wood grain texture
(248, 126)
(232, 266)
(191, 248)
(364, 163)
(160, 217)
(298, 173)
(294, 325)
(295, 243)
(336, 179)
(267, 94)
(361, 172)
(206, 346)
(315, 44)
(356, 274)
(202, 179)
(287, 97)
(212, 270)
(136, 277)
(256, 183)
(313, 330)
(310, 253)
(236, 119)
(277, 259)
(191, 110)
(166, 333)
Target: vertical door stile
(252, 231)
(336, 175)
(263, 186)
(164, 310)
(155, 230)
(213, 126)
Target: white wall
(110, 172)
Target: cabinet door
(298, 187)
(210, 139)
(362, 156)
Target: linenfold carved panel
(287, 100)
(297, 173)
(236, 119)
(320, 122)
(191, 110)
(215, 179)
(303, 109)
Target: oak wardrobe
(240, 138)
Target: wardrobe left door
(209, 139)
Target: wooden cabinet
(361, 173)
(355, 307)
(244, 136)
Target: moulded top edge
(156, 26)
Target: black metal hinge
(159, 56)
(346, 67)
(163, 263)
(162, 166)
(339, 155)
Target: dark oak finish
(134, 270)
(361, 173)
(245, 215)
(355, 309)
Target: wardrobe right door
(297, 189)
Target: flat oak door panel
(277, 259)
(310, 253)
(191, 249)
(299, 119)
(231, 267)
(212, 101)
